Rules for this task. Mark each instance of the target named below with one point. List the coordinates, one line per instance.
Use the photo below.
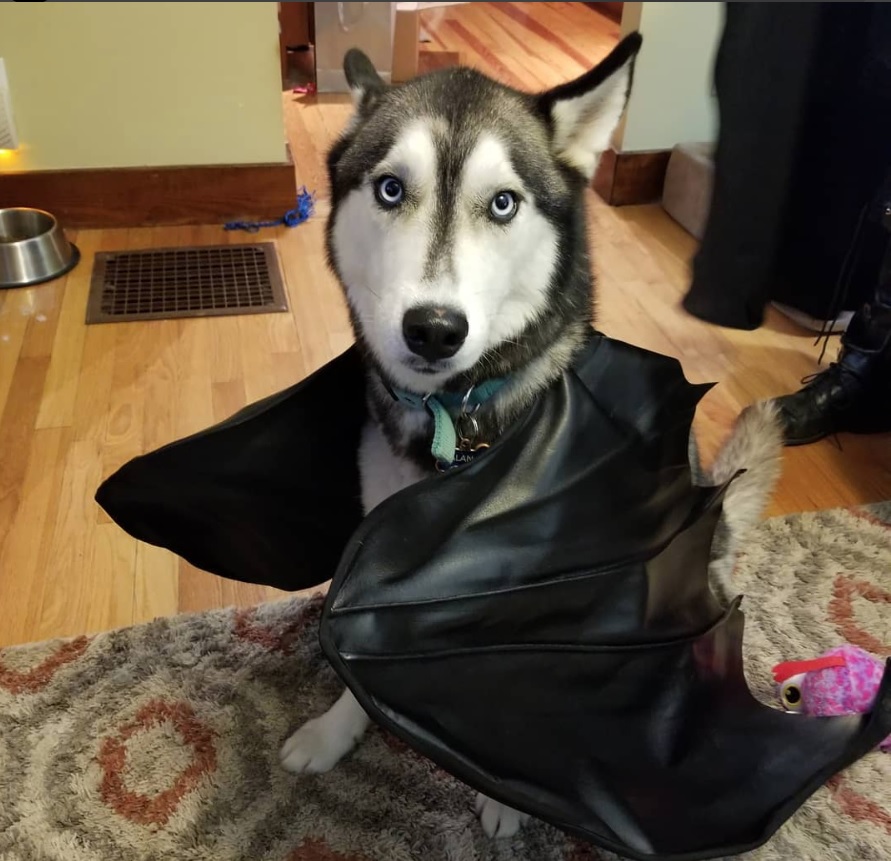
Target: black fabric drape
(804, 100)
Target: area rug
(160, 741)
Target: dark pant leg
(762, 72)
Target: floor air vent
(205, 281)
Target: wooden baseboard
(151, 196)
(628, 178)
(433, 61)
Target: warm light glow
(7, 154)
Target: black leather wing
(539, 623)
(271, 495)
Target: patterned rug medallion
(160, 741)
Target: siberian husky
(458, 234)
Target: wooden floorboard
(76, 402)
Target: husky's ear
(585, 112)
(365, 83)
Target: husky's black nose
(434, 333)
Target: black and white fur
(521, 287)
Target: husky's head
(457, 228)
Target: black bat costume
(537, 622)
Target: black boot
(854, 393)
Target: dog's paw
(497, 819)
(316, 747)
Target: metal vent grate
(206, 281)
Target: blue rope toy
(293, 217)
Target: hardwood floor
(78, 401)
(529, 46)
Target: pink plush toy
(842, 681)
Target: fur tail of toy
(756, 446)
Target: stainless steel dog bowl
(33, 248)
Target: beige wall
(128, 84)
(671, 101)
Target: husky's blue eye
(389, 191)
(504, 206)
